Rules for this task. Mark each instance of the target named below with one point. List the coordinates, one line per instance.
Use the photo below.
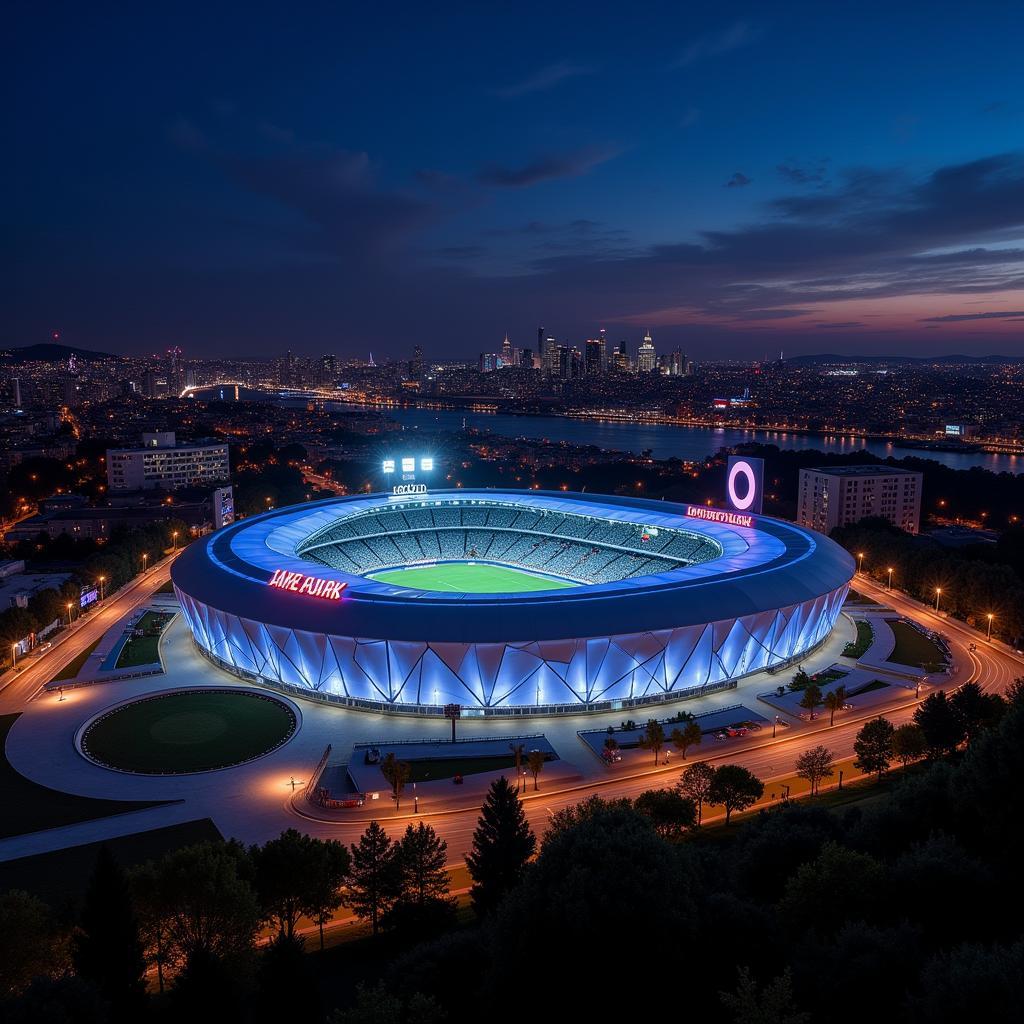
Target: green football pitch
(469, 578)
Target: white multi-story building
(162, 462)
(838, 495)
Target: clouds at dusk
(343, 199)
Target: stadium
(507, 602)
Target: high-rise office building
(551, 358)
(526, 358)
(839, 495)
(507, 352)
(175, 372)
(621, 360)
(593, 360)
(646, 357)
(326, 370)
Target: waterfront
(663, 439)
(688, 443)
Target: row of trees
(195, 917)
(117, 561)
(973, 585)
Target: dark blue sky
(249, 178)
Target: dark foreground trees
(502, 845)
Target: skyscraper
(507, 352)
(593, 359)
(646, 357)
(416, 363)
(550, 350)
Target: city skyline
(735, 182)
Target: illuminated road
(253, 802)
(19, 688)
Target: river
(664, 440)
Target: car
(43, 647)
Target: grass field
(144, 650)
(469, 578)
(193, 731)
(913, 647)
(865, 636)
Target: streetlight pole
(990, 627)
(775, 726)
(890, 577)
(860, 562)
(69, 613)
(145, 562)
(14, 656)
(174, 540)
(103, 580)
(938, 594)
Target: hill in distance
(51, 353)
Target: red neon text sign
(299, 583)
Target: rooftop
(874, 469)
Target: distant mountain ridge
(826, 358)
(51, 353)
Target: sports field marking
(469, 578)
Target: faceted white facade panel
(580, 671)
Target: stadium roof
(771, 564)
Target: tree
(811, 698)
(535, 762)
(381, 1005)
(284, 868)
(689, 736)
(30, 945)
(423, 900)
(975, 709)
(814, 765)
(943, 730)
(107, 949)
(908, 743)
(653, 737)
(772, 1004)
(397, 773)
(873, 746)
(799, 680)
(372, 880)
(323, 895)
(669, 811)
(834, 701)
(735, 788)
(212, 912)
(153, 908)
(695, 783)
(502, 845)
(832, 888)
(287, 985)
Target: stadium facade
(670, 600)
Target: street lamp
(775, 726)
(14, 656)
(145, 561)
(890, 577)
(989, 617)
(938, 594)
(69, 612)
(174, 540)
(860, 563)
(103, 579)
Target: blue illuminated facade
(723, 600)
